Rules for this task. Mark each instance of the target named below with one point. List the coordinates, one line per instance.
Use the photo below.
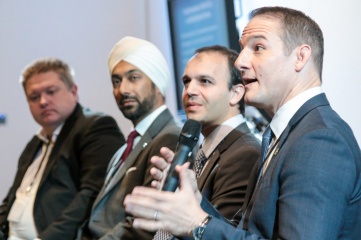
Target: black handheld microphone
(188, 138)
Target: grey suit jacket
(311, 188)
(108, 218)
(73, 175)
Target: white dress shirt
(21, 220)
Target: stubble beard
(141, 109)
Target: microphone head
(189, 135)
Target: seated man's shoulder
(167, 136)
(245, 139)
(93, 115)
(85, 118)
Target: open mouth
(249, 81)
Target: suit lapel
(317, 101)
(31, 151)
(27, 158)
(142, 144)
(222, 146)
(159, 123)
(154, 129)
(211, 165)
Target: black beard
(140, 110)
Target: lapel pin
(276, 152)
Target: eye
(258, 48)
(205, 81)
(33, 97)
(50, 92)
(134, 77)
(186, 81)
(116, 82)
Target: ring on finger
(155, 215)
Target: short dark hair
(235, 75)
(296, 28)
(45, 65)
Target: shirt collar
(143, 125)
(42, 136)
(285, 113)
(218, 134)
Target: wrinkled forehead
(260, 27)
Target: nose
(122, 88)
(43, 99)
(243, 61)
(191, 88)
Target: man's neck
(208, 129)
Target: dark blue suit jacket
(311, 188)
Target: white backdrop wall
(82, 33)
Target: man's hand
(161, 167)
(177, 213)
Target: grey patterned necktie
(162, 235)
(197, 168)
(199, 162)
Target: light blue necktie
(266, 140)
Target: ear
(74, 91)
(158, 91)
(159, 96)
(236, 95)
(303, 54)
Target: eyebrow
(30, 92)
(185, 77)
(130, 72)
(200, 76)
(253, 37)
(203, 76)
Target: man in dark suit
(62, 167)
(213, 95)
(309, 184)
(140, 76)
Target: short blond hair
(49, 64)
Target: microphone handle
(180, 157)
